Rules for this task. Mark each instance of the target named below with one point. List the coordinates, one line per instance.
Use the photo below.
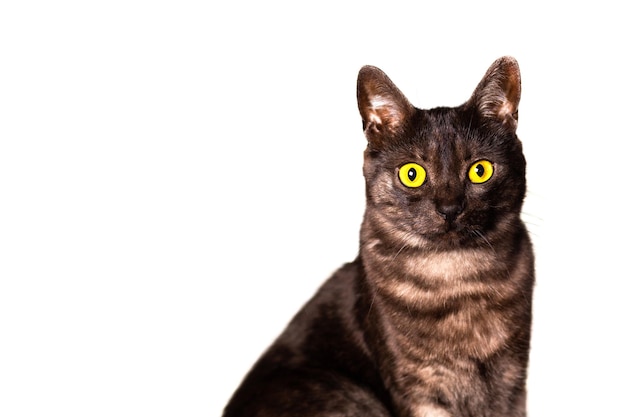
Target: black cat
(433, 317)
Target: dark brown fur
(433, 317)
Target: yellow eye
(480, 171)
(412, 175)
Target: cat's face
(446, 177)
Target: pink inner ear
(389, 113)
(384, 112)
(506, 109)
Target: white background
(178, 178)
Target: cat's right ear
(384, 109)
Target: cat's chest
(450, 266)
(429, 279)
(444, 300)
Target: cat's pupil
(412, 174)
(480, 170)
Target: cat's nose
(450, 211)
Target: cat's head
(446, 177)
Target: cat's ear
(497, 95)
(383, 107)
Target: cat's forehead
(441, 133)
(442, 123)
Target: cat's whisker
(481, 235)
(534, 223)
(534, 216)
(400, 250)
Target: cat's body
(433, 317)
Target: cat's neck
(431, 278)
(456, 284)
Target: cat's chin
(448, 240)
(453, 239)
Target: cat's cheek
(397, 232)
(382, 190)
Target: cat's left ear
(497, 95)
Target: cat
(433, 317)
